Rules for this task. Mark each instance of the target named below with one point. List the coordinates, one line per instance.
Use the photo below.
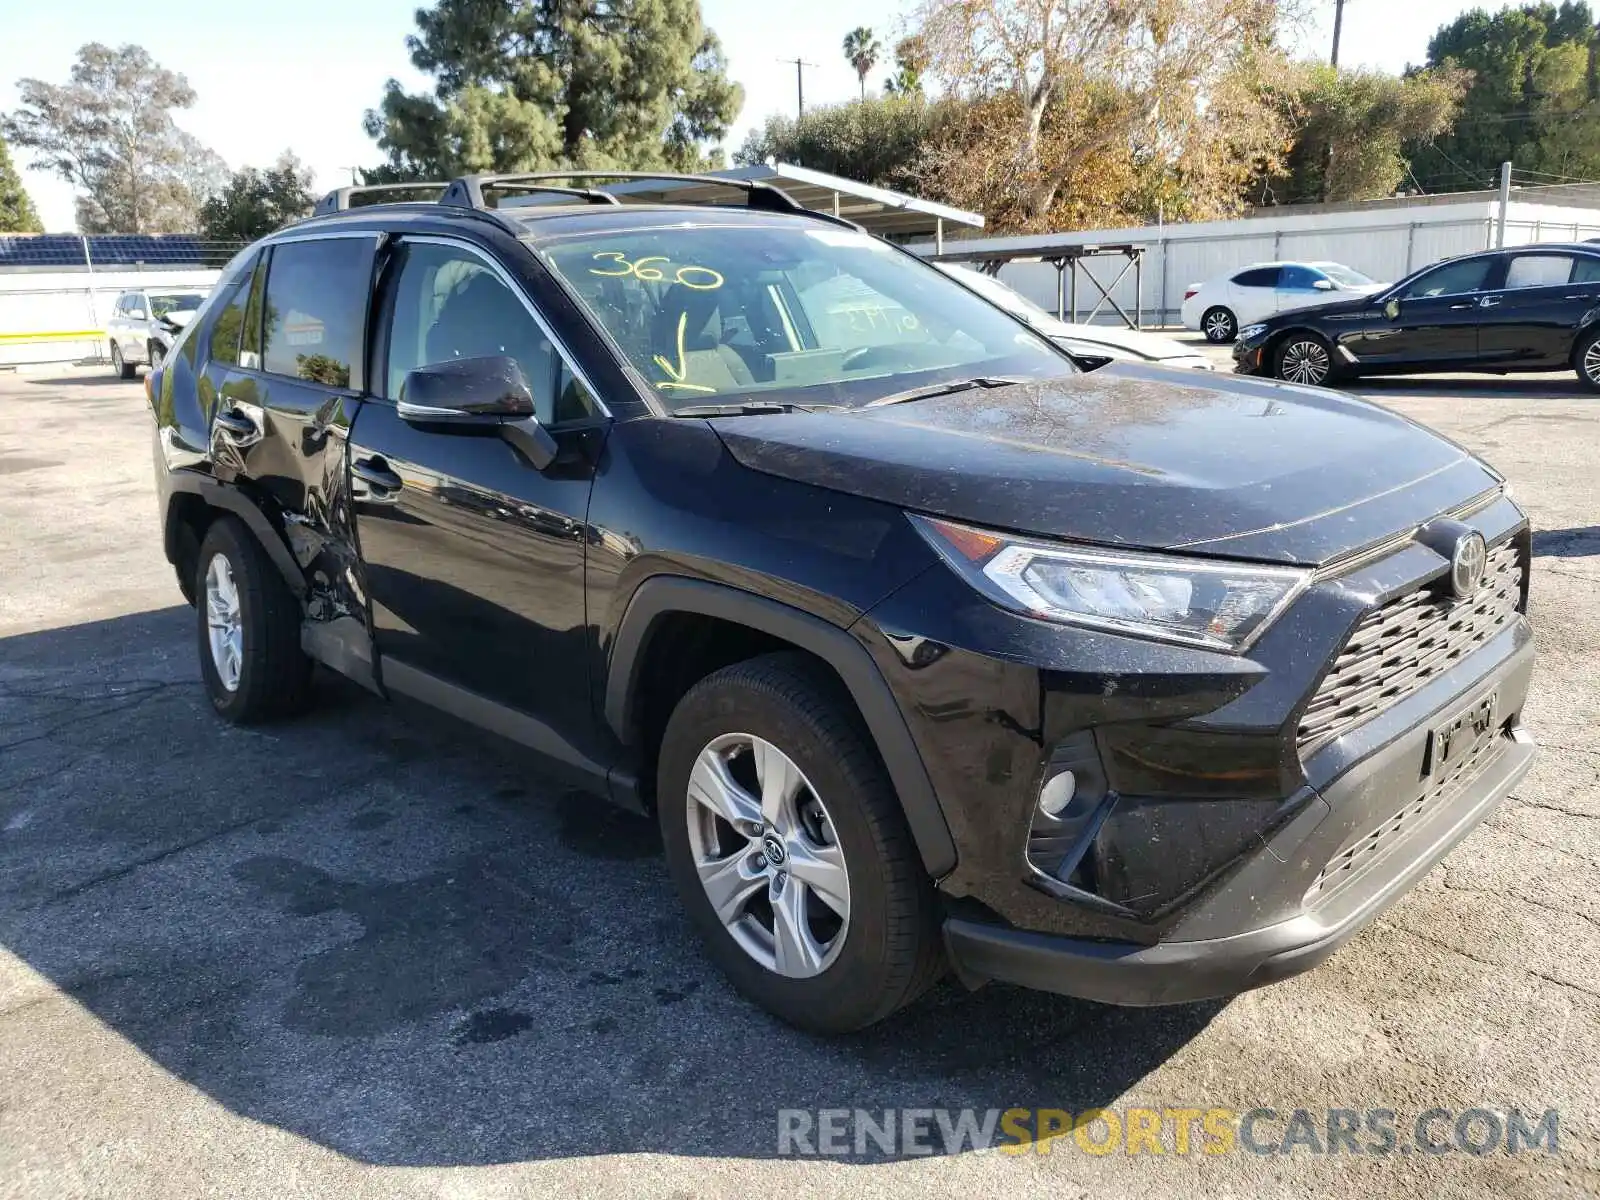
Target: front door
(1432, 322)
(473, 558)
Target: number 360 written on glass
(700, 279)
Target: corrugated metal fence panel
(57, 316)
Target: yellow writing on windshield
(699, 279)
(677, 376)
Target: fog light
(1057, 793)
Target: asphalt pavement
(373, 953)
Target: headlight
(1199, 602)
(1251, 331)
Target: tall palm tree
(862, 49)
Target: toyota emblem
(1467, 564)
(772, 846)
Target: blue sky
(299, 73)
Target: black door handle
(1468, 304)
(1581, 296)
(236, 425)
(375, 473)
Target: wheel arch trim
(662, 596)
(219, 495)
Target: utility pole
(1338, 25)
(1504, 205)
(800, 65)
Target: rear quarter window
(1263, 277)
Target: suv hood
(1137, 456)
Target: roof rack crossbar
(339, 199)
(592, 195)
(467, 192)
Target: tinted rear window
(316, 303)
(1258, 277)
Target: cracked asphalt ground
(372, 953)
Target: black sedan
(1533, 308)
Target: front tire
(248, 626)
(123, 368)
(789, 849)
(1586, 361)
(1219, 325)
(1303, 358)
(157, 356)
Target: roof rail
(590, 195)
(467, 192)
(339, 199)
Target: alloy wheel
(1219, 326)
(1591, 363)
(116, 358)
(1305, 362)
(224, 622)
(767, 856)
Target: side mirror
(462, 395)
(1392, 310)
(1323, 285)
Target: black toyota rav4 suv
(927, 649)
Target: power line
(799, 83)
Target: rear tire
(123, 368)
(885, 949)
(1586, 361)
(248, 629)
(1219, 325)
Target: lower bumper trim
(1180, 972)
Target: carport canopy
(878, 210)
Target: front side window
(789, 312)
(1300, 279)
(222, 346)
(1538, 270)
(1344, 275)
(449, 304)
(1452, 279)
(314, 309)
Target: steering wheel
(873, 356)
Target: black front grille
(1349, 863)
(1397, 649)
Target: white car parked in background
(1089, 342)
(1220, 307)
(144, 325)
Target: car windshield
(169, 302)
(808, 316)
(1343, 275)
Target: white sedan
(1221, 306)
(1096, 344)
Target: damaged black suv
(929, 650)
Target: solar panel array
(121, 250)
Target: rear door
(473, 558)
(1253, 294)
(1432, 322)
(1532, 320)
(283, 384)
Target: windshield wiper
(944, 389)
(747, 408)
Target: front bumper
(1368, 836)
(1250, 358)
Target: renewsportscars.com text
(842, 1132)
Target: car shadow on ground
(1487, 387)
(394, 937)
(1581, 542)
(85, 380)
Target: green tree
(877, 141)
(1532, 101)
(910, 61)
(256, 202)
(1352, 129)
(109, 131)
(17, 213)
(542, 84)
(862, 51)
